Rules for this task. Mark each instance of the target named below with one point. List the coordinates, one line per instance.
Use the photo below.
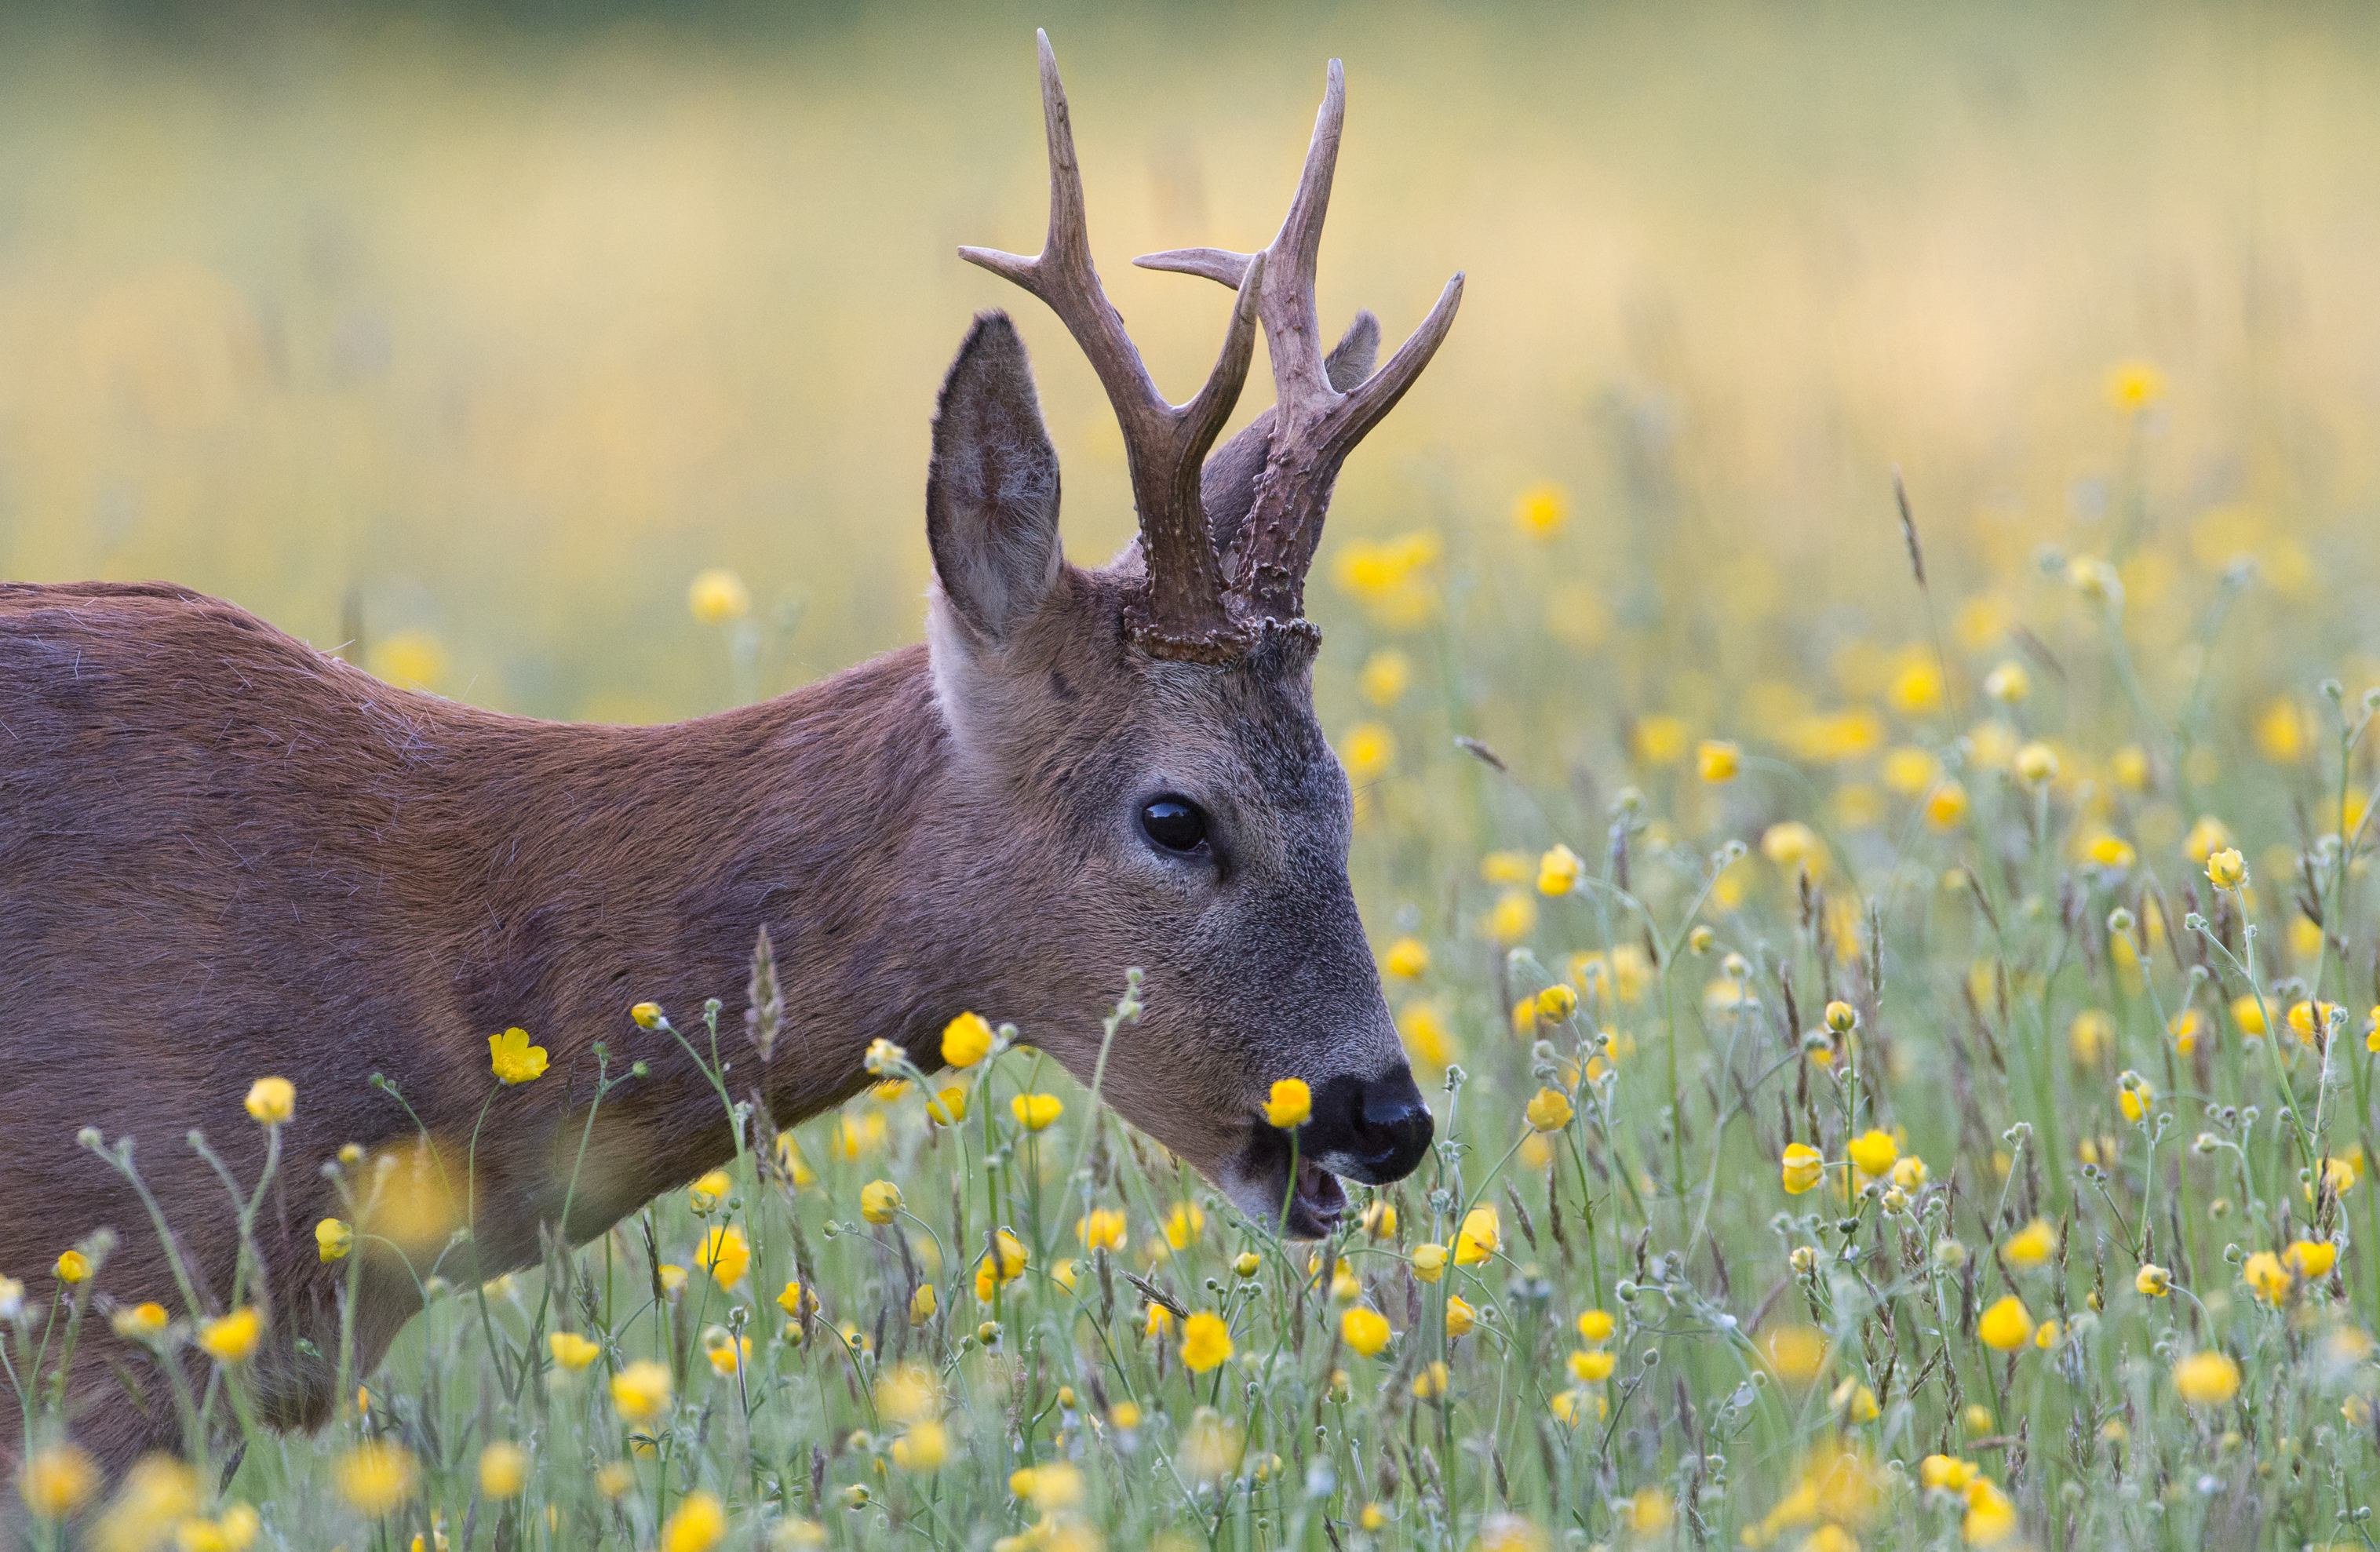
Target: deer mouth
(1271, 1183)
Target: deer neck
(810, 817)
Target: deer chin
(1259, 1183)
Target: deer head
(1151, 722)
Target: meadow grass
(1936, 1116)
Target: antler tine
(1164, 442)
(1319, 425)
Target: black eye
(1173, 823)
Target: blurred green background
(480, 331)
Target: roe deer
(225, 854)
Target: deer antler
(1182, 613)
(1317, 425)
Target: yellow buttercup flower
(718, 597)
(647, 1015)
(2091, 1033)
(2134, 1096)
(376, 1477)
(2208, 836)
(2031, 1246)
(2110, 852)
(333, 1239)
(2226, 870)
(1991, 1517)
(1459, 1316)
(2134, 385)
(2267, 1278)
(1660, 739)
(924, 1302)
(2310, 1022)
(1365, 1330)
(1649, 1511)
(2153, 1281)
(1595, 1326)
(1550, 1110)
(1802, 1167)
(1541, 510)
(1183, 1224)
(1205, 1341)
(1000, 1265)
(1036, 1113)
(1408, 958)
(1385, 676)
(1369, 750)
(231, 1338)
(726, 1354)
(272, 1102)
(2312, 1259)
(726, 1253)
(1873, 1152)
(1291, 1104)
(698, 1524)
(1946, 1474)
(1798, 1354)
(966, 1040)
(57, 1479)
(71, 1266)
(1428, 1262)
(571, 1350)
(1792, 846)
(1512, 917)
(141, 1322)
(1101, 1229)
(1559, 871)
(1482, 1232)
(1910, 770)
(1592, 1365)
(2206, 1379)
(2006, 1326)
(641, 1393)
(1717, 760)
(504, 1468)
(708, 1192)
(513, 1058)
(880, 1201)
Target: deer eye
(1174, 823)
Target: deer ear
(992, 489)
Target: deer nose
(1374, 1129)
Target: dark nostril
(1376, 1129)
(1392, 1114)
(1392, 1125)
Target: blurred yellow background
(484, 333)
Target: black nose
(1374, 1129)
